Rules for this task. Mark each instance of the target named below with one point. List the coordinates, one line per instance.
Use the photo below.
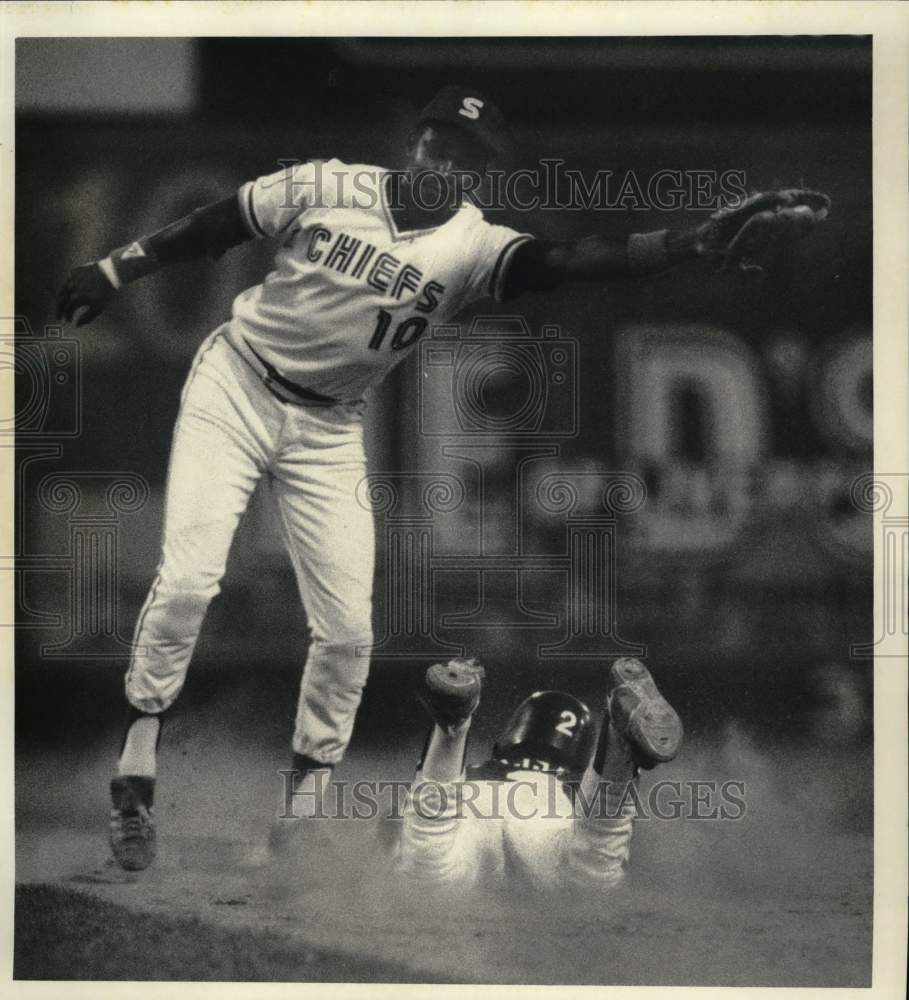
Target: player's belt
(305, 397)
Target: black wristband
(131, 262)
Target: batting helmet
(551, 727)
(468, 109)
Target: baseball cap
(470, 110)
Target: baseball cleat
(132, 822)
(452, 692)
(291, 831)
(641, 714)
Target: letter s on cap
(471, 107)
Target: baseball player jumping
(515, 815)
(367, 258)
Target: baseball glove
(741, 235)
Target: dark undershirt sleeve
(527, 270)
(208, 231)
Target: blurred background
(742, 403)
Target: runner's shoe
(641, 714)
(452, 692)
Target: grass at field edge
(64, 934)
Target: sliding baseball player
(544, 808)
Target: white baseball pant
(462, 834)
(231, 431)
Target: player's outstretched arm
(541, 264)
(736, 236)
(207, 231)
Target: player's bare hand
(740, 235)
(86, 289)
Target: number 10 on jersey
(407, 332)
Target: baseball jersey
(351, 294)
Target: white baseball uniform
(348, 299)
(519, 824)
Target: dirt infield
(68, 934)
(779, 898)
